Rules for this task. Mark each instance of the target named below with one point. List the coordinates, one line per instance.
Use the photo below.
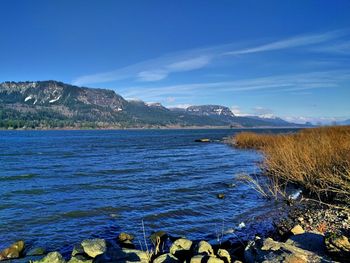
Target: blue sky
(285, 58)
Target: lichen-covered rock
(224, 255)
(94, 247)
(205, 258)
(134, 255)
(125, 237)
(80, 259)
(52, 257)
(14, 251)
(181, 247)
(166, 258)
(204, 248)
(78, 250)
(197, 259)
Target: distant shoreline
(157, 128)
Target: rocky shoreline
(304, 232)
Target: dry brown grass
(316, 159)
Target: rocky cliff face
(46, 103)
(210, 110)
(48, 93)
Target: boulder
(159, 235)
(166, 258)
(181, 248)
(52, 257)
(214, 260)
(127, 244)
(224, 255)
(125, 237)
(338, 246)
(14, 251)
(297, 230)
(205, 258)
(78, 250)
(94, 247)
(197, 259)
(80, 259)
(134, 255)
(273, 251)
(204, 248)
(113, 254)
(310, 241)
(36, 252)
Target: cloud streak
(281, 83)
(293, 42)
(160, 68)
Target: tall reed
(316, 159)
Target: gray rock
(166, 258)
(273, 251)
(134, 255)
(78, 250)
(338, 246)
(197, 259)
(180, 245)
(52, 257)
(125, 237)
(204, 248)
(14, 251)
(313, 242)
(94, 247)
(181, 248)
(205, 258)
(224, 255)
(80, 259)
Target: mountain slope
(48, 104)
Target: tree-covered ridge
(53, 104)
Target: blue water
(60, 187)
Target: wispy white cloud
(279, 83)
(152, 75)
(340, 48)
(263, 112)
(180, 106)
(160, 68)
(290, 43)
(189, 64)
(179, 66)
(314, 120)
(236, 110)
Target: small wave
(37, 191)
(120, 171)
(100, 211)
(173, 213)
(18, 177)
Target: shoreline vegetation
(316, 160)
(310, 225)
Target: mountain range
(51, 104)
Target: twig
(329, 205)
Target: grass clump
(316, 159)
